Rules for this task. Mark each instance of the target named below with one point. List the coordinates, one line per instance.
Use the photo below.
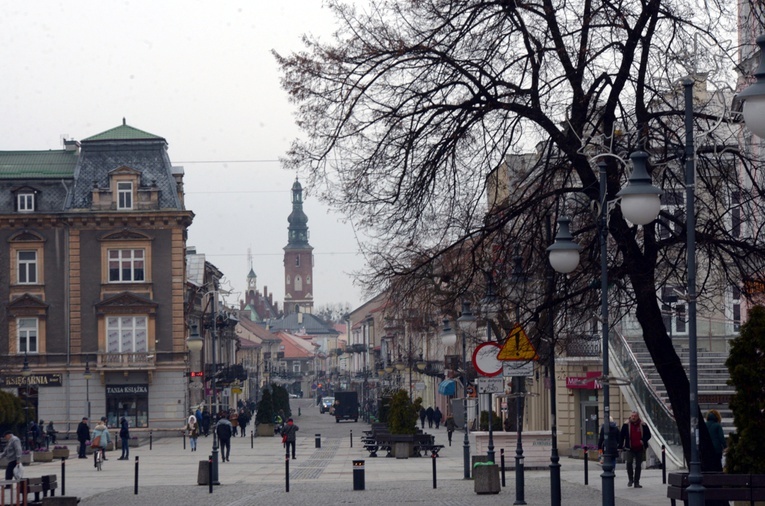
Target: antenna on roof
(123, 120)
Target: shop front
(130, 401)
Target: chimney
(265, 292)
(71, 145)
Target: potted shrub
(264, 419)
(42, 454)
(26, 457)
(402, 424)
(60, 452)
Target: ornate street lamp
(641, 199)
(26, 372)
(87, 375)
(466, 323)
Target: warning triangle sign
(518, 346)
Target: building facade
(298, 259)
(96, 241)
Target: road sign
(485, 359)
(491, 385)
(511, 368)
(470, 391)
(518, 346)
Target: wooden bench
(50, 484)
(424, 443)
(378, 440)
(719, 487)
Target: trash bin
(203, 474)
(486, 478)
(318, 440)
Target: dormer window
(124, 195)
(25, 202)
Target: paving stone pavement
(168, 475)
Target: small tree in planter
(497, 425)
(402, 417)
(747, 375)
(265, 415)
(281, 401)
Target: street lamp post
(489, 304)
(518, 279)
(640, 205)
(87, 375)
(555, 486)
(213, 386)
(466, 323)
(26, 372)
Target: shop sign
(35, 380)
(126, 389)
(589, 382)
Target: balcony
(584, 345)
(121, 361)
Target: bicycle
(99, 457)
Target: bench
(719, 487)
(426, 443)
(378, 440)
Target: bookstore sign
(35, 380)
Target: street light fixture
(466, 323)
(26, 372)
(518, 280)
(754, 97)
(562, 254)
(87, 375)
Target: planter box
(578, 453)
(61, 453)
(26, 459)
(43, 456)
(265, 429)
(486, 479)
(402, 445)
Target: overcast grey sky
(200, 74)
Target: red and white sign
(485, 359)
(588, 382)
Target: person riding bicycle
(100, 440)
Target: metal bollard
(151, 438)
(318, 440)
(63, 476)
(358, 475)
(287, 468)
(135, 489)
(184, 439)
(663, 464)
(433, 458)
(586, 468)
(252, 439)
(210, 473)
(351, 438)
(502, 464)
(299, 413)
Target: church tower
(298, 259)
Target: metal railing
(656, 410)
(121, 360)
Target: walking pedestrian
(206, 422)
(613, 440)
(429, 414)
(422, 417)
(192, 427)
(100, 440)
(289, 436)
(224, 430)
(244, 419)
(12, 454)
(124, 439)
(634, 439)
(718, 438)
(450, 426)
(437, 417)
(83, 435)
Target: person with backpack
(289, 436)
(224, 430)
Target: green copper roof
(123, 132)
(37, 164)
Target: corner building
(96, 237)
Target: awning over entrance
(447, 387)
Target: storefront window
(129, 401)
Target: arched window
(298, 283)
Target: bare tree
(411, 109)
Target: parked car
(326, 404)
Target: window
(26, 329)
(27, 262)
(673, 311)
(297, 260)
(124, 195)
(288, 279)
(126, 334)
(298, 283)
(126, 265)
(736, 299)
(295, 366)
(25, 202)
(308, 280)
(672, 203)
